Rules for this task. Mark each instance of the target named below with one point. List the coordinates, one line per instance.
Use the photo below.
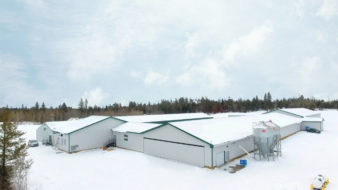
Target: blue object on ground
(307, 128)
(243, 162)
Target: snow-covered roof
(221, 130)
(73, 125)
(264, 124)
(135, 127)
(279, 119)
(300, 111)
(163, 117)
(319, 119)
(227, 114)
(235, 114)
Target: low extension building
(309, 117)
(79, 134)
(297, 112)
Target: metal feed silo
(267, 140)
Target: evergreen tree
(86, 104)
(63, 110)
(132, 105)
(36, 107)
(43, 114)
(81, 107)
(64, 107)
(81, 104)
(269, 100)
(43, 107)
(12, 150)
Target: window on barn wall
(125, 137)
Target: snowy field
(304, 156)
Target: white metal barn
(162, 140)
(130, 134)
(205, 143)
(81, 134)
(44, 134)
(311, 118)
(288, 125)
(315, 123)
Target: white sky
(148, 50)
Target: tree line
(40, 113)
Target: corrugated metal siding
(94, 136)
(61, 141)
(43, 133)
(315, 125)
(233, 149)
(129, 141)
(290, 129)
(169, 133)
(176, 151)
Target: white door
(220, 159)
(188, 153)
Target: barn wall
(61, 141)
(312, 124)
(232, 150)
(169, 133)
(208, 156)
(184, 153)
(246, 143)
(129, 141)
(43, 133)
(289, 129)
(94, 136)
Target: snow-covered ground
(304, 156)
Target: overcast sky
(147, 50)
